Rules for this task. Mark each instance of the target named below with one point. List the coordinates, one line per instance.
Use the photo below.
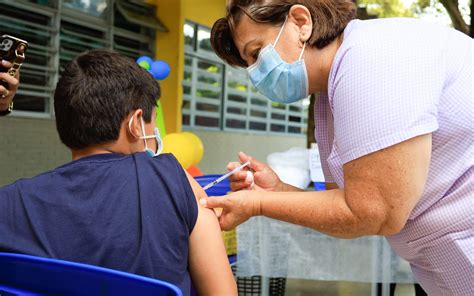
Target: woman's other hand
(237, 207)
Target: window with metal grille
(217, 96)
(203, 80)
(58, 30)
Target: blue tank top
(128, 212)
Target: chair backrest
(221, 188)
(30, 275)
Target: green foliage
(423, 3)
(388, 8)
(457, 10)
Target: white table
(271, 248)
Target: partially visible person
(394, 126)
(119, 203)
(7, 93)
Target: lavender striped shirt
(392, 80)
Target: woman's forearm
(284, 187)
(324, 211)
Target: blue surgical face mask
(276, 79)
(157, 136)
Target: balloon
(145, 62)
(160, 69)
(198, 148)
(179, 146)
(144, 65)
(194, 171)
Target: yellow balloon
(198, 148)
(179, 145)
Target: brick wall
(29, 147)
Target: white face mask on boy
(157, 136)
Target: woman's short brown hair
(329, 17)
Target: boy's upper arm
(208, 263)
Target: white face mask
(276, 79)
(157, 136)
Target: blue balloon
(144, 59)
(160, 70)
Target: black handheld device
(13, 50)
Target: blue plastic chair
(221, 188)
(30, 275)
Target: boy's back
(128, 212)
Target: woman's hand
(7, 93)
(238, 207)
(263, 176)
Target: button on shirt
(392, 80)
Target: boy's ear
(134, 124)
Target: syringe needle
(226, 175)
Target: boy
(118, 204)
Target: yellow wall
(204, 12)
(170, 48)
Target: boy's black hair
(96, 92)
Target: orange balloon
(194, 171)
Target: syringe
(226, 175)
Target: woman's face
(251, 37)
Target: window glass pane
(204, 39)
(209, 78)
(209, 94)
(187, 76)
(42, 2)
(186, 119)
(29, 103)
(204, 91)
(236, 98)
(236, 110)
(186, 105)
(276, 105)
(188, 61)
(294, 129)
(258, 126)
(210, 67)
(207, 107)
(259, 102)
(235, 123)
(186, 90)
(131, 47)
(294, 118)
(33, 77)
(237, 85)
(277, 128)
(256, 113)
(206, 121)
(278, 116)
(295, 108)
(121, 22)
(189, 35)
(92, 7)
